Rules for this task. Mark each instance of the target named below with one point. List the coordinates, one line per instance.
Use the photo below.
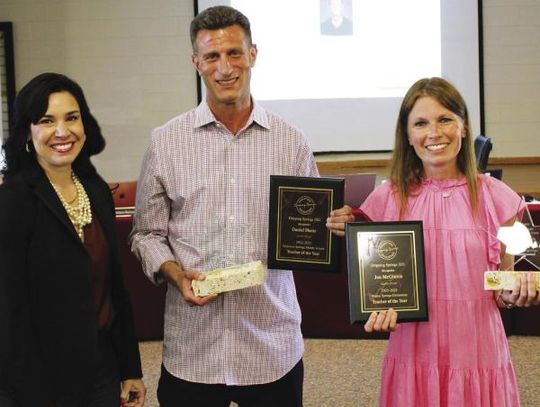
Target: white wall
(132, 58)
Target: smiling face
(436, 133)
(58, 137)
(224, 59)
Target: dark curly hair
(30, 105)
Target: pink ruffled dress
(461, 356)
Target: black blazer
(48, 328)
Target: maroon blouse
(96, 246)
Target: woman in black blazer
(66, 328)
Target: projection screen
(344, 89)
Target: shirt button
(231, 217)
(233, 181)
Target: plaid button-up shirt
(202, 200)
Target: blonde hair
(406, 168)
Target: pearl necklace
(81, 213)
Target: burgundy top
(95, 243)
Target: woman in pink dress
(461, 356)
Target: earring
(27, 146)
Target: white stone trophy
(521, 240)
(222, 249)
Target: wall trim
(352, 165)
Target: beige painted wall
(512, 76)
(132, 58)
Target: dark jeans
(284, 392)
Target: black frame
(532, 254)
(298, 238)
(393, 274)
(7, 29)
(480, 80)
(481, 67)
(197, 76)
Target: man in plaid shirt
(202, 203)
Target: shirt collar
(204, 116)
